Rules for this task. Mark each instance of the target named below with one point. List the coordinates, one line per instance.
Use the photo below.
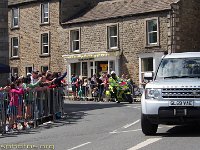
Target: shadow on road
(76, 107)
(17, 133)
(75, 111)
(182, 131)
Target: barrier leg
(35, 110)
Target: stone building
(3, 39)
(96, 36)
(129, 36)
(34, 36)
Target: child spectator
(12, 107)
(85, 88)
(95, 94)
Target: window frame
(115, 36)
(42, 68)
(12, 47)
(12, 70)
(42, 16)
(157, 56)
(26, 71)
(143, 66)
(13, 18)
(76, 40)
(147, 21)
(42, 45)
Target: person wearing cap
(28, 74)
(14, 77)
(34, 76)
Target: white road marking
(79, 146)
(145, 143)
(136, 107)
(128, 125)
(115, 132)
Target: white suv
(173, 95)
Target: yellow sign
(104, 67)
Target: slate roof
(119, 8)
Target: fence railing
(34, 107)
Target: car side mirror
(148, 76)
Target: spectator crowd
(19, 93)
(97, 86)
(19, 101)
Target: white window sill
(113, 49)
(45, 55)
(14, 27)
(76, 51)
(44, 23)
(14, 57)
(152, 45)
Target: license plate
(181, 103)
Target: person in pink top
(14, 102)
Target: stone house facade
(34, 36)
(144, 31)
(97, 36)
(3, 39)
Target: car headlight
(152, 93)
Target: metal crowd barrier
(35, 107)
(93, 92)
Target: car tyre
(148, 128)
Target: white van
(173, 95)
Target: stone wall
(187, 24)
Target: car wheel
(148, 128)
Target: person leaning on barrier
(28, 97)
(57, 80)
(34, 76)
(28, 85)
